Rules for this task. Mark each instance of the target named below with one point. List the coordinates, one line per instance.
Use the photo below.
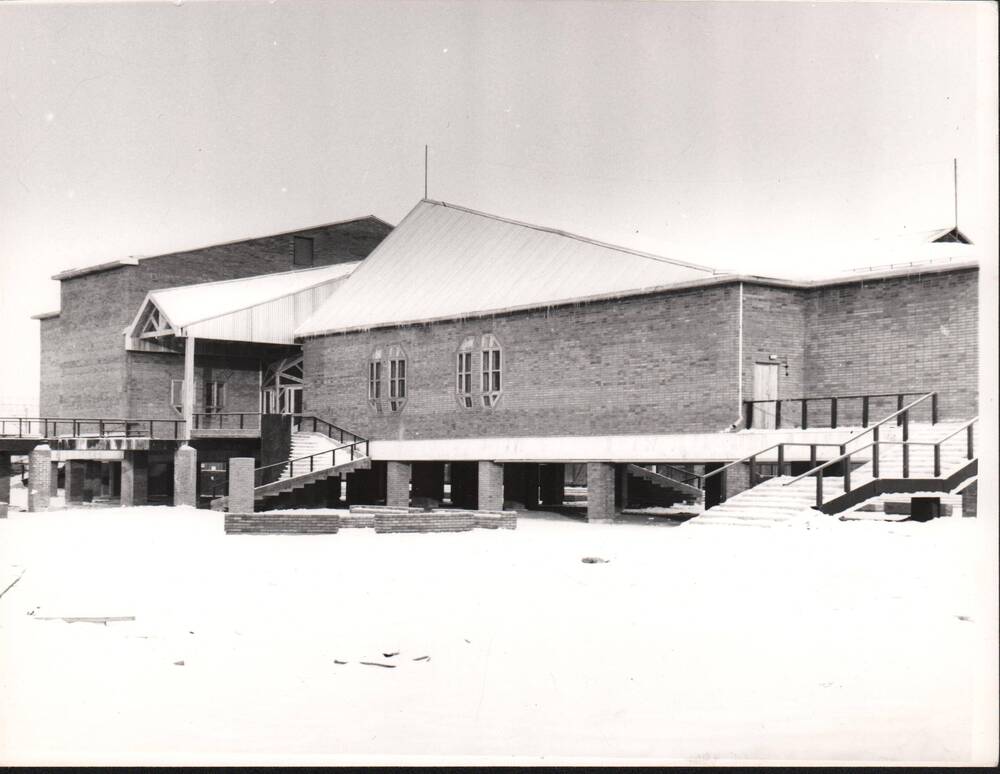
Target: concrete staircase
(777, 501)
(647, 487)
(309, 444)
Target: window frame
(177, 395)
(387, 376)
(490, 370)
(463, 373)
(219, 402)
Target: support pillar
(241, 485)
(600, 492)
(188, 396)
(135, 472)
(5, 471)
(490, 491)
(397, 484)
(75, 473)
(552, 480)
(91, 480)
(54, 480)
(39, 471)
(186, 476)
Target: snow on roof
(447, 262)
(262, 308)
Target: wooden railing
(798, 408)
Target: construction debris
(104, 619)
(375, 663)
(594, 560)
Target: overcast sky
(752, 135)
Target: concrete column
(54, 480)
(552, 480)
(187, 406)
(600, 492)
(135, 473)
(241, 485)
(397, 484)
(186, 476)
(39, 471)
(5, 471)
(490, 494)
(75, 473)
(91, 480)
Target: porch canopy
(264, 309)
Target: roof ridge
(578, 237)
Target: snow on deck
(853, 642)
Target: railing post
(777, 415)
(833, 413)
(819, 487)
(937, 460)
(968, 443)
(781, 458)
(847, 473)
(906, 460)
(150, 428)
(864, 411)
(314, 424)
(341, 436)
(312, 459)
(899, 407)
(76, 428)
(748, 414)
(241, 420)
(805, 414)
(20, 428)
(934, 408)
(875, 452)
(753, 471)
(100, 428)
(812, 455)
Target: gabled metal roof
(447, 262)
(265, 308)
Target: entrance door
(765, 387)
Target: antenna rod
(425, 172)
(955, 163)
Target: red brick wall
(654, 364)
(50, 372)
(774, 324)
(86, 363)
(900, 334)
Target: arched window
(491, 383)
(463, 372)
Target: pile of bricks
(282, 523)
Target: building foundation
(39, 472)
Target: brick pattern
(39, 471)
(737, 480)
(600, 491)
(490, 493)
(387, 519)
(899, 334)
(662, 363)
(86, 371)
(278, 523)
(774, 324)
(397, 486)
(135, 478)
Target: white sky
(754, 136)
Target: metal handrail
(25, 425)
(834, 403)
(898, 412)
(764, 451)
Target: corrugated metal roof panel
(448, 262)
(188, 304)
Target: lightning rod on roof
(955, 168)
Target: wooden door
(765, 388)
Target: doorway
(765, 388)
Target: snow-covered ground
(860, 641)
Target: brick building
(486, 362)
